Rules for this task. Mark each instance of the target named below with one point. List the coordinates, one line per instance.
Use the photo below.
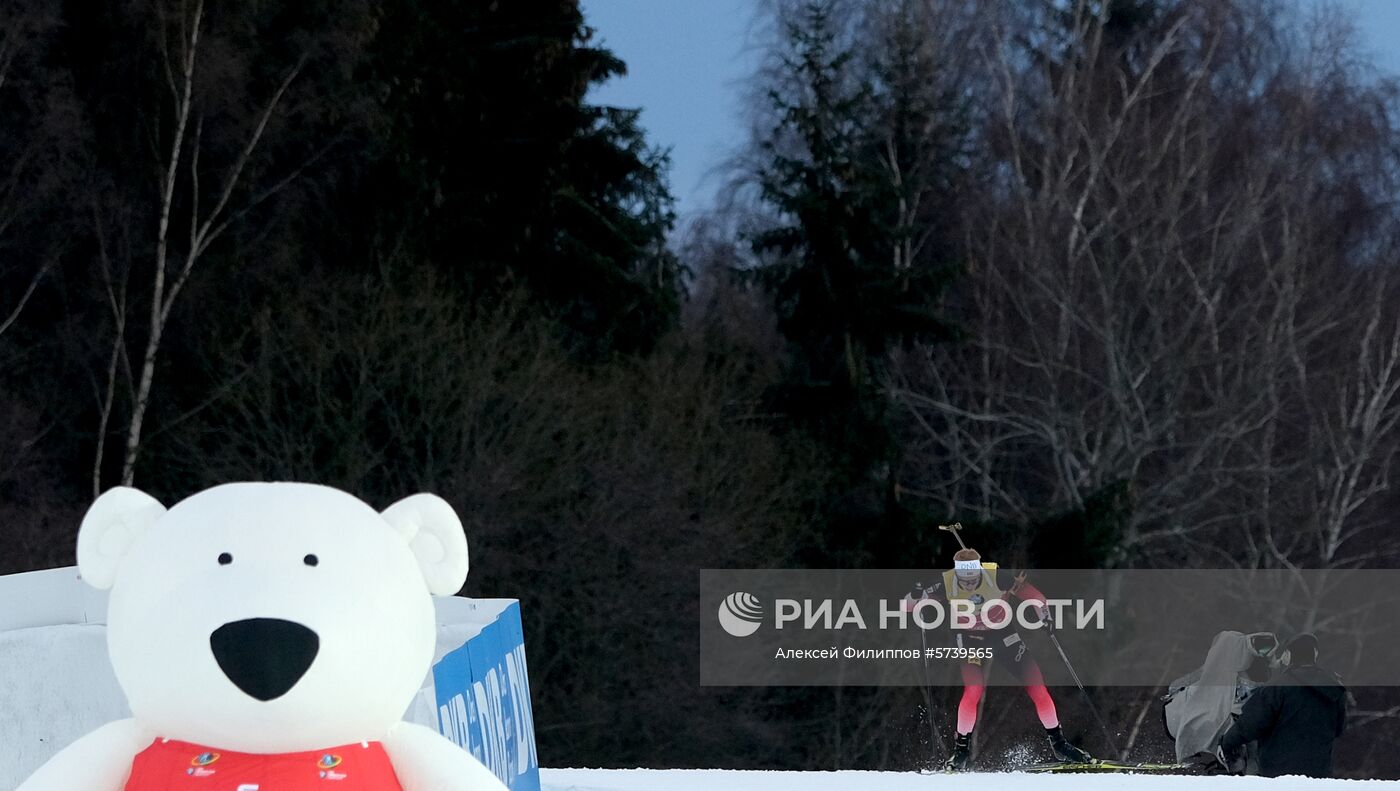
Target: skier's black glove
(1047, 620)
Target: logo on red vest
(327, 765)
(199, 765)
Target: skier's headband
(967, 565)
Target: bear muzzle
(264, 657)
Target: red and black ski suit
(1009, 650)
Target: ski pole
(1108, 739)
(935, 743)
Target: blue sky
(687, 59)
(1378, 21)
(685, 62)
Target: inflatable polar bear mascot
(268, 637)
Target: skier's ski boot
(1064, 751)
(962, 748)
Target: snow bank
(55, 685)
(730, 780)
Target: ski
(1106, 766)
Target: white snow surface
(734, 780)
(55, 685)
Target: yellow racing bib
(985, 591)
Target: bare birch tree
(1170, 288)
(197, 201)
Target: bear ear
(435, 535)
(113, 523)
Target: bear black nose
(264, 657)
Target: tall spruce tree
(505, 174)
(857, 149)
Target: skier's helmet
(967, 565)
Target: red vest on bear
(169, 765)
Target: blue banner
(483, 699)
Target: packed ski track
(737, 780)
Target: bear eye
(310, 560)
(225, 558)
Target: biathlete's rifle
(956, 529)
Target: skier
(978, 582)
(1295, 718)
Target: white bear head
(271, 617)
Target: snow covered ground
(61, 686)
(730, 780)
